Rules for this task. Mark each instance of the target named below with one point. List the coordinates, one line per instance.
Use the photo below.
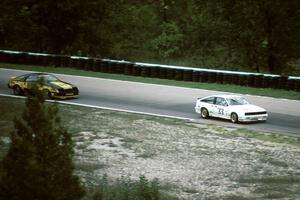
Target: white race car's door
(220, 108)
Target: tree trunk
(271, 62)
(270, 48)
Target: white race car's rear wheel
(234, 118)
(204, 113)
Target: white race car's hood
(249, 108)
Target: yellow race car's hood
(61, 84)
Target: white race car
(234, 108)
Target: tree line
(252, 35)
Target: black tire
(17, 90)
(234, 118)
(47, 94)
(204, 113)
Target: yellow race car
(49, 84)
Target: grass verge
(277, 93)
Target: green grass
(275, 187)
(295, 141)
(125, 188)
(277, 93)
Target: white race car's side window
(209, 100)
(237, 101)
(221, 101)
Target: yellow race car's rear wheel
(17, 90)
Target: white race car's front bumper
(253, 118)
(197, 110)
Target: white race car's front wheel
(234, 118)
(204, 113)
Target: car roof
(38, 73)
(226, 96)
(35, 73)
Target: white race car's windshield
(237, 101)
(48, 78)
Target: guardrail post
(211, 77)
(297, 85)
(265, 82)
(282, 82)
(187, 75)
(251, 80)
(136, 70)
(171, 74)
(179, 75)
(104, 67)
(90, 64)
(227, 79)
(154, 72)
(242, 79)
(111, 67)
(97, 65)
(11, 58)
(235, 79)
(128, 68)
(3, 57)
(145, 71)
(290, 84)
(119, 67)
(203, 76)
(163, 72)
(196, 76)
(219, 77)
(258, 80)
(65, 61)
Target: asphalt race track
(284, 115)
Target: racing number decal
(221, 111)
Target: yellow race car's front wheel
(47, 94)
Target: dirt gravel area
(190, 160)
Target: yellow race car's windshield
(48, 78)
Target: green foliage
(260, 35)
(38, 164)
(44, 26)
(169, 41)
(126, 189)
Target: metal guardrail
(179, 73)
